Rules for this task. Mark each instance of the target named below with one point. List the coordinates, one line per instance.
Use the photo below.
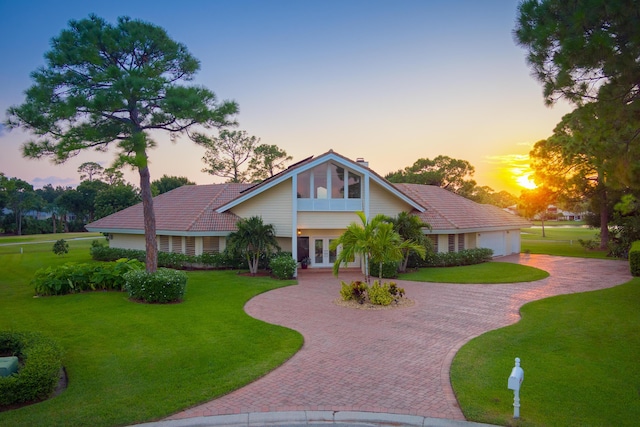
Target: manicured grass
(561, 241)
(488, 272)
(128, 362)
(580, 358)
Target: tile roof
(190, 208)
(449, 211)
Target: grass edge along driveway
(129, 363)
(485, 273)
(579, 354)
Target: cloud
(55, 181)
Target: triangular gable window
(324, 186)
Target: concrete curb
(313, 418)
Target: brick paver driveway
(398, 360)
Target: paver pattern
(394, 361)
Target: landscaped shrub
(40, 363)
(379, 294)
(283, 266)
(61, 247)
(71, 278)
(163, 286)
(634, 258)
(389, 270)
(356, 291)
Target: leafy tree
(88, 169)
(227, 153)
(89, 191)
(20, 197)
(113, 176)
(588, 52)
(486, 195)
(112, 84)
(268, 160)
(168, 183)
(409, 227)
(61, 247)
(3, 191)
(50, 195)
(443, 171)
(115, 198)
(582, 51)
(375, 241)
(535, 202)
(583, 159)
(252, 239)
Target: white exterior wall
(274, 206)
(383, 202)
(127, 241)
(326, 220)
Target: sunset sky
(389, 81)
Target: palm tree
(410, 229)
(375, 241)
(252, 239)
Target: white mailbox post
(515, 381)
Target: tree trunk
(151, 246)
(604, 220)
(542, 217)
(53, 220)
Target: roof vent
(362, 162)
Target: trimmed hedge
(40, 360)
(163, 286)
(634, 258)
(452, 259)
(174, 260)
(70, 278)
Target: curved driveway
(394, 361)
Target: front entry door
(323, 256)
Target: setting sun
(525, 181)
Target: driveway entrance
(395, 361)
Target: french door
(323, 256)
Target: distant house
(310, 204)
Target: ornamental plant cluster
(40, 361)
(71, 278)
(378, 293)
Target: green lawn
(561, 241)
(128, 362)
(488, 272)
(580, 358)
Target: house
(310, 204)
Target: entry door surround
(321, 254)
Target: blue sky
(390, 81)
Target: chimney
(362, 162)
